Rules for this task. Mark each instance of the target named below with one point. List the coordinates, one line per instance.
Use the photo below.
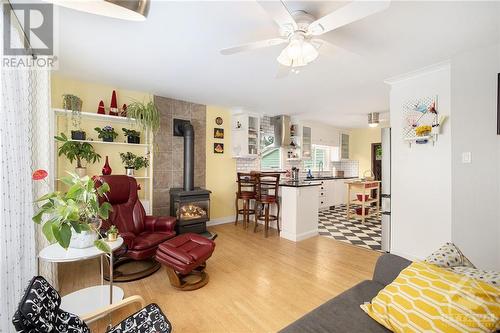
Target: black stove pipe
(188, 133)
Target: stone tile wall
(169, 150)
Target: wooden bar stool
(246, 193)
(266, 194)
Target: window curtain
(25, 145)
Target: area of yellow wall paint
(360, 145)
(221, 168)
(91, 93)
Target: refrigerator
(386, 190)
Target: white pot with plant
(73, 219)
(79, 151)
(133, 162)
(112, 233)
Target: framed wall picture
(219, 121)
(218, 133)
(498, 105)
(218, 148)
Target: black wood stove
(190, 205)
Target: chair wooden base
(119, 276)
(185, 282)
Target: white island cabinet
(299, 210)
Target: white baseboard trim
(221, 220)
(405, 255)
(299, 237)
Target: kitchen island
(299, 209)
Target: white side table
(89, 299)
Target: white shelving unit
(146, 179)
(245, 135)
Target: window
(320, 154)
(271, 159)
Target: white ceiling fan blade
(283, 71)
(332, 50)
(254, 45)
(280, 14)
(353, 11)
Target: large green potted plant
(73, 218)
(146, 115)
(133, 162)
(79, 151)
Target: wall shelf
(95, 116)
(110, 143)
(431, 139)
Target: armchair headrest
(122, 188)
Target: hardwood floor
(256, 284)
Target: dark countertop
(299, 183)
(327, 178)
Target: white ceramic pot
(83, 239)
(129, 172)
(81, 172)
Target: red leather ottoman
(184, 257)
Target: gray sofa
(342, 314)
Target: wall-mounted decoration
(219, 121)
(421, 122)
(498, 105)
(218, 133)
(218, 148)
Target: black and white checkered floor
(334, 224)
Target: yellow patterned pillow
(427, 298)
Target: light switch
(466, 157)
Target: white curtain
(25, 145)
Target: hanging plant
(145, 114)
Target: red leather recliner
(141, 233)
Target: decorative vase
(129, 172)
(81, 172)
(100, 109)
(106, 169)
(83, 239)
(113, 108)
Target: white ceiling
(175, 53)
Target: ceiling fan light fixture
(298, 53)
(373, 119)
(130, 10)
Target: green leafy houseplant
(76, 210)
(107, 133)
(133, 136)
(132, 161)
(145, 114)
(79, 151)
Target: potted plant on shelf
(107, 133)
(112, 233)
(145, 114)
(74, 104)
(132, 135)
(133, 162)
(73, 218)
(79, 151)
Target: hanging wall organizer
(421, 122)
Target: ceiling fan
(300, 30)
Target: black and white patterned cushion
(490, 277)
(147, 320)
(39, 311)
(449, 255)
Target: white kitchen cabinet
(340, 192)
(245, 135)
(306, 143)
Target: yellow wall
(91, 93)
(360, 145)
(221, 168)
